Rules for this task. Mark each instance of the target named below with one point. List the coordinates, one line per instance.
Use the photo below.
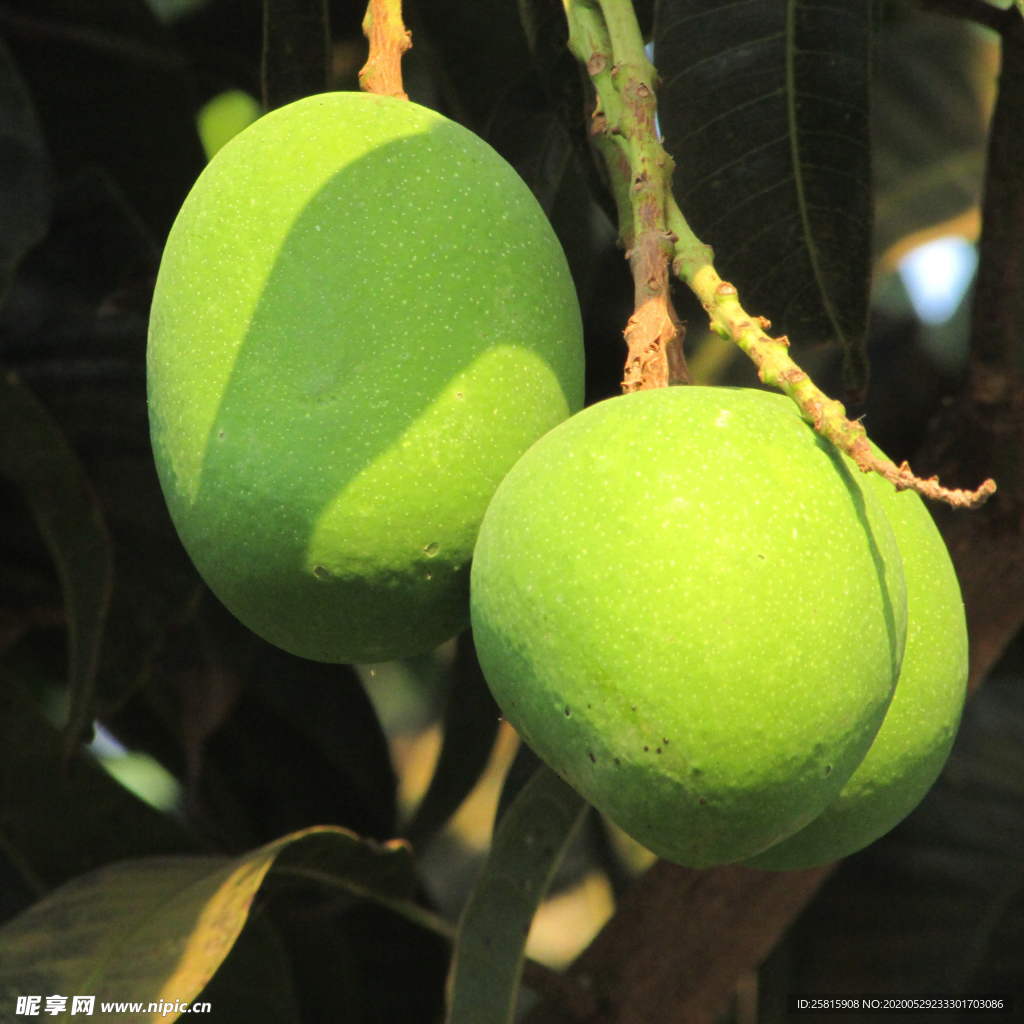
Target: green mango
(362, 319)
(694, 610)
(919, 728)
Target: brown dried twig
(828, 416)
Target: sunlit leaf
(470, 729)
(35, 457)
(489, 948)
(59, 818)
(765, 109)
(158, 929)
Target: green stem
(605, 36)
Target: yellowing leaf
(150, 932)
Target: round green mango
(693, 609)
(919, 728)
(362, 319)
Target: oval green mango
(694, 610)
(362, 319)
(922, 721)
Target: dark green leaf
(74, 329)
(24, 171)
(563, 81)
(523, 767)
(532, 137)
(765, 109)
(921, 909)
(376, 961)
(489, 948)
(60, 819)
(254, 983)
(110, 90)
(526, 107)
(481, 49)
(470, 728)
(159, 928)
(296, 50)
(35, 457)
(329, 981)
(929, 125)
(327, 710)
(300, 746)
(360, 964)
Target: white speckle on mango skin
(326, 310)
(764, 658)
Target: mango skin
(922, 721)
(693, 610)
(362, 319)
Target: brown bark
(679, 941)
(654, 334)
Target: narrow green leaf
(111, 90)
(25, 183)
(58, 818)
(254, 984)
(35, 458)
(765, 108)
(158, 929)
(90, 376)
(489, 949)
(470, 727)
